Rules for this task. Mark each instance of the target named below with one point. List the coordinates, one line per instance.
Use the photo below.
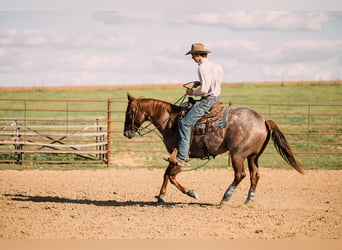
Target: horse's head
(134, 117)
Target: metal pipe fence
(91, 131)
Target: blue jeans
(196, 112)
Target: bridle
(140, 130)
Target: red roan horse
(246, 135)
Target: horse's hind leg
(239, 174)
(254, 176)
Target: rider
(210, 78)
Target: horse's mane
(157, 107)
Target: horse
(245, 136)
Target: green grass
(250, 95)
(311, 93)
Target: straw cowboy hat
(198, 48)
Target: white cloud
(308, 50)
(279, 52)
(172, 65)
(61, 40)
(288, 60)
(236, 20)
(13, 59)
(302, 71)
(246, 51)
(95, 62)
(122, 17)
(257, 20)
(31, 38)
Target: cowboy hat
(198, 48)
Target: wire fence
(34, 131)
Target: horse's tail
(282, 146)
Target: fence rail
(90, 131)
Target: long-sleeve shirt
(210, 76)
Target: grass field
(322, 93)
(255, 96)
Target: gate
(55, 131)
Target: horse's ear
(129, 97)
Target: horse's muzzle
(129, 134)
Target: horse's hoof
(249, 204)
(223, 203)
(160, 198)
(249, 201)
(192, 193)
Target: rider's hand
(196, 84)
(189, 92)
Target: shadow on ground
(110, 203)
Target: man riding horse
(210, 78)
(245, 133)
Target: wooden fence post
(109, 128)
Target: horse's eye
(131, 113)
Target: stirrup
(182, 163)
(179, 162)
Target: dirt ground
(120, 204)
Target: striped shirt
(210, 76)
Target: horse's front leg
(190, 192)
(170, 174)
(161, 196)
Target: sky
(75, 43)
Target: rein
(141, 134)
(198, 167)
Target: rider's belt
(211, 97)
